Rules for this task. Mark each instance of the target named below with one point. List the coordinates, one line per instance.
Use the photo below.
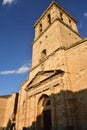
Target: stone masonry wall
(3, 102)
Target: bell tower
(55, 29)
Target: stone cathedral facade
(54, 96)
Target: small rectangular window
(40, 27)
(49, 18)
(70, 22)
(61, 15)
(43, 55)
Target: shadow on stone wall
(69, 110)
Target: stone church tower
(54, 95)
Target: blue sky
(17, 18)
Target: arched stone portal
(44, 113)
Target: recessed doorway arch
(44, 113)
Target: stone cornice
(76, 43)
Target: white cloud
(7, 2)
(85, 14)
(7, 72)
(23, 69)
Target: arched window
(70, 22)
(61, 15)
(40, 27)
(49, 18)
(43, 55)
